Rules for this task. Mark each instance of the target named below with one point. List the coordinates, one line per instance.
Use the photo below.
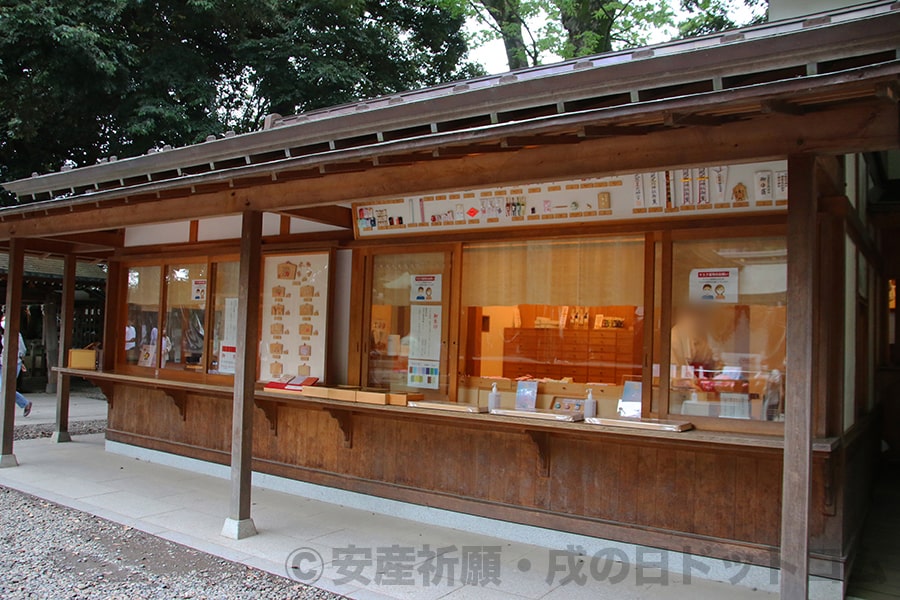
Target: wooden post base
(238, 530)
(8, 460)
(60, 437)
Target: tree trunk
(587, 26)
(507, 16)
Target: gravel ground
(30, 432)
(49, 551)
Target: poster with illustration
(425, 288)
(198, 290)
(294, 316)
(714, 285)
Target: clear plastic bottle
(493, 398)
(590, 405)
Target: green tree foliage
(711, 16)
(85, 79)
(570, 28)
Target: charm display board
(294, 316)
(714, 189)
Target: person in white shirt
(21, 401)
(131, 342)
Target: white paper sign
(425, 374)
(425, 288)
(198, 290)
(229, 335)
(425, 332)
(710, 189)
(714, 285)
(294, 316)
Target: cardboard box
(83, 359)
(341, 393)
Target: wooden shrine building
(687, 233)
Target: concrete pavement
(85, 404)
(393, 556)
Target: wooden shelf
(107, 377)
(481, 420)
(489, 421)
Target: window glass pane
(568, 311)
(409, 321)
(184, 327)
(657, 325)
(224, 318)
(728, 334)
(143, 313)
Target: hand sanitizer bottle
(590, 405)
(493, 398)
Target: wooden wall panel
(668, 493)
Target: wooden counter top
(480, 420)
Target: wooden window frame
(164, 263)
(361, 290)
(665, 233)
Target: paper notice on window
(227, 359)
(425, 374)
(425, 288)
(425, 332)
(198, 290)
(714, 285)
(229, 335)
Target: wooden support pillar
(239, 524)
(66, 323)
(10, 350)
(801, 317)
(113, 326)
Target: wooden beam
(66, 326)
(473, 149)
(338, 216)
(10, 351)
(103, 239)
(857, 128)
(599, 131)
(674, 119)
(781, 107)
(801, 317)
(239, 523)
(889, 91)
(540, 140)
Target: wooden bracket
(107, 387)
(541, 441)
(888, 91)
(179, 397)
(270, 409)
(344, 420)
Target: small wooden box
(372, 397)
(83, 359)
(312, 391)
(401, 398)
(345, 394)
